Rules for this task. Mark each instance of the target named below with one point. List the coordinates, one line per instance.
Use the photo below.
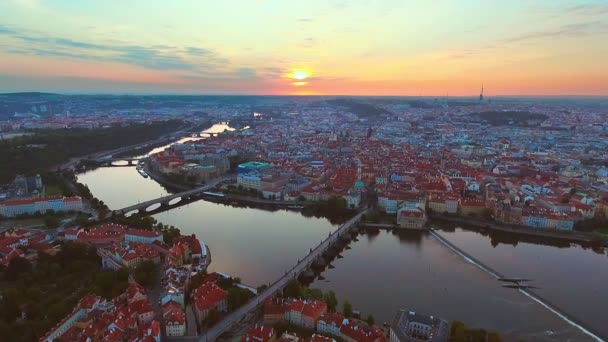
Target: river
(383, 272)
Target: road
(241, 313)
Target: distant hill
(28, 94)
(42, 104)
(517, 118)
(359, 108)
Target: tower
(481, 93)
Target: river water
(383, 271)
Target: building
(249, 180)
(87, 304)
(472, 207)
(200, 173)
(129, 255)
(128, 317)
(174, 318)
(260, 333)
(320, 338)
(143, 236)
(411, 218)
(41, 205)
(209, 297)
(294, 313)
(353, 198)
(311, 312)
(330, 324)
(352, 331)
(274, 310)
(252, 167)
(408, 326)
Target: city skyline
(313, 48)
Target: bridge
(165, 200)
(315, 256)
(109, 161)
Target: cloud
(340, 4)
(247, 73)
(152, 59)
(54, 41)
(5, 30)
(88, 85)
(306, 20)
(274, 72)
(196, 51)
(585, 10)
(308, 42)
(160, 57)
(565, 31)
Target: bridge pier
(318, 263)
(330, 253)
(141, 211)
(345, 238)
(130, 162)
(309, 274)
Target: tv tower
(481, 93)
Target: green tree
(7, 332)
(52, 221)
(493, 337)
(61, 145)
(331, 300)
(347, 309)
(370, 320)
(170, 233)
(313, 294)
(457, 332)
(212, 318)
(9, 305)
(146, 273)
(237, 297)
(293, 289)
(18, 266)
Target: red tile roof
(259, 333)
(208, 295)
(361, 333)
(314, 309)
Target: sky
(331, 47)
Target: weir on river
(534, 296)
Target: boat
(142, 173)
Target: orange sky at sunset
(317, 48)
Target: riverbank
(572, 236)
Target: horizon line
(291, 95)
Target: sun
(300, 74)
